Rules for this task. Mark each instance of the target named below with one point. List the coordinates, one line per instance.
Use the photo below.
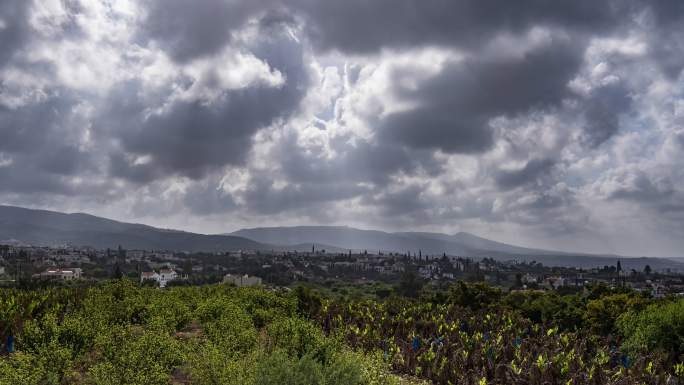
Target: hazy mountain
(351, 238)
(478, 244)
(464, 244)
(374, 240)
(40, 227)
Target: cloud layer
(544, 124)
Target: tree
(117, 274)
(659, 326)
(602, 313)
(187, 266)
(647, 269)
(410, 284)
(475, 296)
(518, 280)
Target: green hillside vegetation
(120, 333)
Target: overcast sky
(556, 124)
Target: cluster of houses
(242, 280)
(282, 268)
(164, 276)
(61, 274)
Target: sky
(556, 124)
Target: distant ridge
(373, 240)
(462, 244)
(46, 228)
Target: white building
(658, 290)
(65, 274)
(162, 278)
(556, 282)
(242, 280)
(529, 278)
(166, 276)
(149, 276)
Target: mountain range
(46, 228)
(41, 227)
(373, 240)
(461, 244)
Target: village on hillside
(246, 268)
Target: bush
(41, 339)
(279, 368)
(474, 296)
(21, 368)
(601, 314)
(659, 326)
(136, 357)
(227, 325)
(209, 365)
(564, 312)
(299, 338)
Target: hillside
(463, 244)
(41, 227)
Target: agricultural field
(120, 333)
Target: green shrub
(659, 326)
(299, 338)
(209, 365)
(601, 314)
(169, 310)
(265, 306)
(474, 296)
(227, 325)
(136, 357)
(41, 339)
(280, 368)
(21, 368)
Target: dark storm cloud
(656, 193)
(64, 159)
(41, 129)
(366, 26)
(313, 179)
(455, 106)
(193, 137)
(638, 186)
(190, 29)
(14, 17)
(264, 197)
(603, 109)
(208, 198)
(43, 154)
(123, 166)
(531, 172)
(406, 202)
(360, 162)
(667, 39)
(24, 128)
(27, 179)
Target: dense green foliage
(119, 333)
(660, 326)
(476, 334)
